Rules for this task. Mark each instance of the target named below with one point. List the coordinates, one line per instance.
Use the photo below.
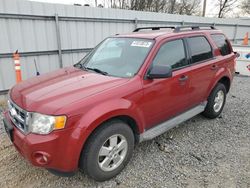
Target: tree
(225, 6)
(246, 6)
(188, 7)
(171, 6)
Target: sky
(211, 9)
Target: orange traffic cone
(245, 40)
(16, 58)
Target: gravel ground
(197, 153)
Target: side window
(200, 49)
(222, 43)
(172, 54)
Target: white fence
(57, 35)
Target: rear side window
(200, 49)
(172, 54)
(222, 43)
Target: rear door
(167, 97)
(203, 67)
(226, 58)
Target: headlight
(44, 124)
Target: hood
(49, 92)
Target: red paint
(88, 99)
(248, 67)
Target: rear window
(200, 49)
(222, 43)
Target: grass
(3, 104)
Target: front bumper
(59, 150)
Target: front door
(167, 97)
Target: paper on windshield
(144, 44)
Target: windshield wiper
(81, 66)
(78, 65)
(96, 70)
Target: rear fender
(222, 72)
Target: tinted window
(200, 49)
(222, 43)
(172, 54)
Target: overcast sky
(211, 9)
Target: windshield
(121, 57)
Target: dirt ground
(197, 153)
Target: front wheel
(216, 102)
(108, 150)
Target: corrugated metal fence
(57, 35)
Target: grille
(18, 116)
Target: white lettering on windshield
(144, 44)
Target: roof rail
(154, 28)
(175, 28)
(192, 27)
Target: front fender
(109, 109)
(96, 116)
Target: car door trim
(171, 123)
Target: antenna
(37, 73)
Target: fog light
(45, 158)
(41, 158)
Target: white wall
(86, 28)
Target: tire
(97, 152)
(212, 110)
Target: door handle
(214, 67)
(183, 78)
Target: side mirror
(159, 71)
(236, 54)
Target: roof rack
(154, 28)
(192, 27)
(176, 28)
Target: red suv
(128, 89)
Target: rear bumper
(59, 150)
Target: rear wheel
(216, 101)
(108, 150)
